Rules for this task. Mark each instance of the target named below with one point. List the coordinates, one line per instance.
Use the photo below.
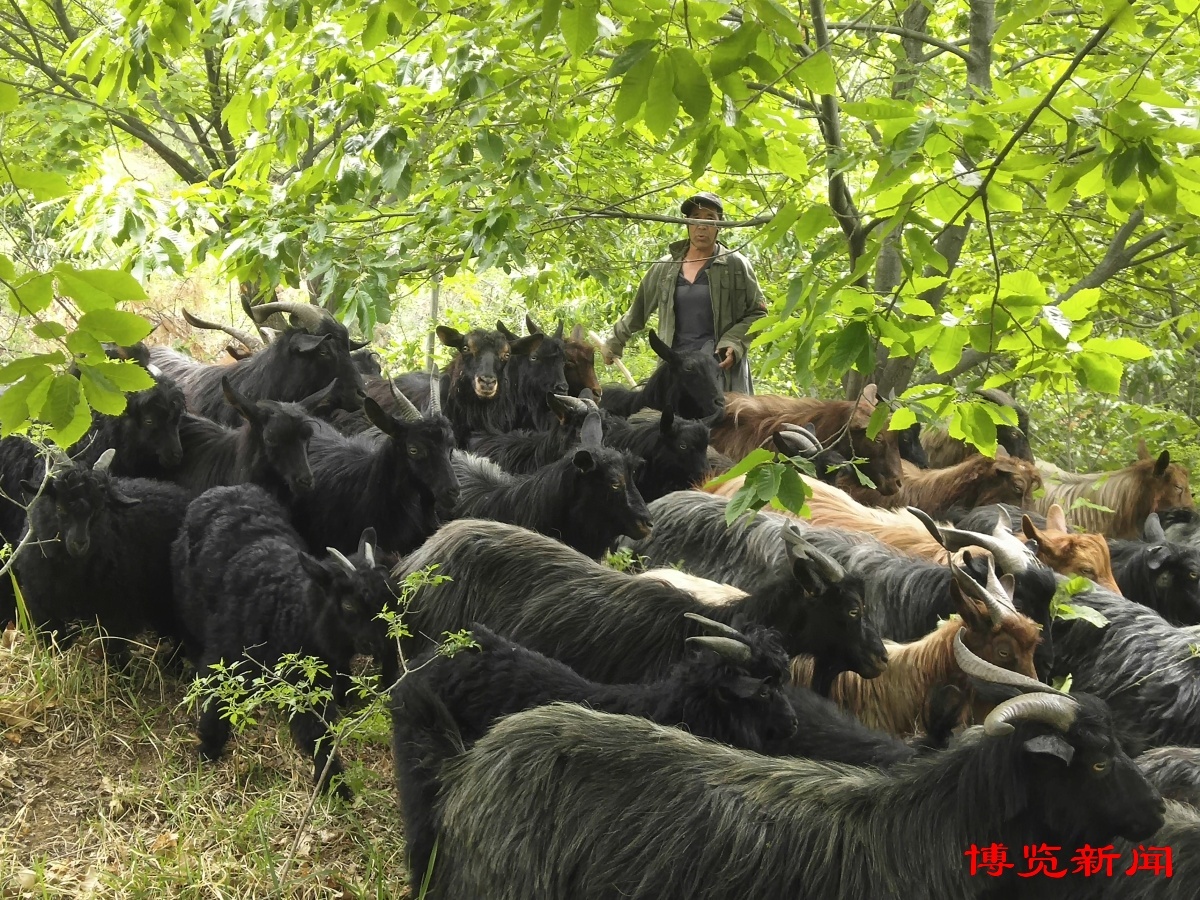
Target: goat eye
(763, 692)
(1195, 576)
(1088, 572)
(1004, 652)
(683, 446)
(148, 421)
(855, 613)
(1100, 767)
(533, 359)
(413, 451)
(616, 486)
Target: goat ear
(974, 612)
(1056, 519)
(591, 434)
(870, 394)
(1142, 451)
(308, 343)
(240, 402)
(1051, 745)
(367, 539)
(30, 488)
(319, 400)
(583, 460)
(450, 338)
(667, 420)
(379, 418)
(558, 332)
(531, 326)
(1001, 452)
(661, 350)
(500, 327)
(526, 345)
(314, 569)
(577, 334)
(1152, 530)
(1161, 464)
(1158, 556)
(1031, 531)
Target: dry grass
(102, 793)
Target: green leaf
(901, 419)
(730, 54)
(32, 295)
(878, 419)
(634, 87)
(765, 481)
(28, 365)
(1122, 348)
(8, 98)
(815, 219)
(102, 394)
(61, 400)
(83, 293)
(14, 409)
(845, 348)
(78, 424)
(691, 83)
(793, 492)
(877, 108)
(1091, 615)
(125, 375)
(977, 427)
(755, 457)
(947, 349)
(375, 31)
(579, 26)
(1003, 200)
(83, 345)
(7, 270)
(122, 328)
(817, 72)
(1099, 372)
(633, 54)
(48, 331)
(740, 503)
(43, 185)
(1079, 304)
(662, 106)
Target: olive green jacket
(737, 300)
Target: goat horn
(998, 610)
(931, 526)
(1057, 711)
(997, 396)
(828, 568)
(564, 403)
(104, 461)
(734, 651)
(976, 667)
(369, 553)
(718, 628)
(435, 390)
(308, 315)
(249, 341)
(340, 557)
(1003, 523)
(795, 443)
(408, 412)
(1007, 556)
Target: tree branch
(971, 359)
(904, 33)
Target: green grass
(103, 794)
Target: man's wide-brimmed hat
(704, 198)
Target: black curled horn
(249, 341)
(714, 627)
(308, 317)
(824, 565)
(435, 390)
(795, 441)
(733, 650)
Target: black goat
(100, 551)
(471, 384)
(246, 590)
(908, 440)
(586, 500)
(689, 382)
(1181, 525)
(296, 364)
(1145, 668)
(1175, 771)
(1157, 573)
(673, 450)
(631, 799)
(399, 484)
(269, 449)
(609, 626)
(731, 691)
(530, 378)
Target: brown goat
(580, 364)
(1071, 554)
(840, 425)
(895, 701)
(976, 481)
(1132, 493)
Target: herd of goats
(853, 705)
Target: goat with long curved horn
(994, 596)
(408, 412)
(305, 314)
(435, 390)
(1006, 553)
(249, 341)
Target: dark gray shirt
(693, 312)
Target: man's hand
(729, 359)
(607, 355)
